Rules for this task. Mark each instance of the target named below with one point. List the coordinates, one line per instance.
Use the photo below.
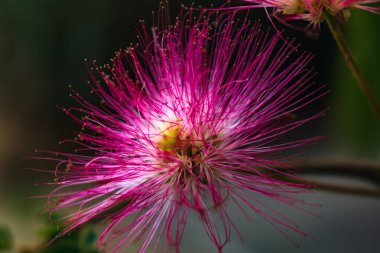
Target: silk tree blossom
(190, 120)
(312, 11)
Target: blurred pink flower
(192, 126)
(311, 11)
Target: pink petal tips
(189, 120)
(312, 11)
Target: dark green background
(42, 47)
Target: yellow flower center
(178, 142)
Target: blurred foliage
(81, 240)
(354, 121)
(6, 240)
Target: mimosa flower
(312, 11)
(189, 120)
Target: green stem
(345, 189)
(343, 47)
(366, 170)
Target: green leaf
(87, 239)
(6, 240)
(355, 124)
(81, 240)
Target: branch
(367, 170)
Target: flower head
(194, 124)
(312, 11)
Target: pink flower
(311, 11)
(194, 124)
